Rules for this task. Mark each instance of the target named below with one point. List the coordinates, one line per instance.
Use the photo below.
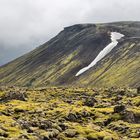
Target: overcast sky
(25, 24)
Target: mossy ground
(66, 113)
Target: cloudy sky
(25, 24)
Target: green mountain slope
(120, 68)
(57, 61)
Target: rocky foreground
(69, 114)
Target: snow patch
(115, 36)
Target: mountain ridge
(56, 62)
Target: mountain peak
(78, 27)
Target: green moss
(2, 93)
(116, 116)
(105, 110)
(91, 136)
(51, 107)
(6, 123)
(136, 101)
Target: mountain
(56, 62)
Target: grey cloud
(25, 24)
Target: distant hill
(56, 62)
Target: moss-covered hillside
(57, 61)
(69, 114)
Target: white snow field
(115, 36)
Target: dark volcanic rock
(63, 126)
(72, 117)
(119, 108)
(3, 134)
(14, 96)
(128, 116)
(138, 90)
(90, 102)
(45, 124)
